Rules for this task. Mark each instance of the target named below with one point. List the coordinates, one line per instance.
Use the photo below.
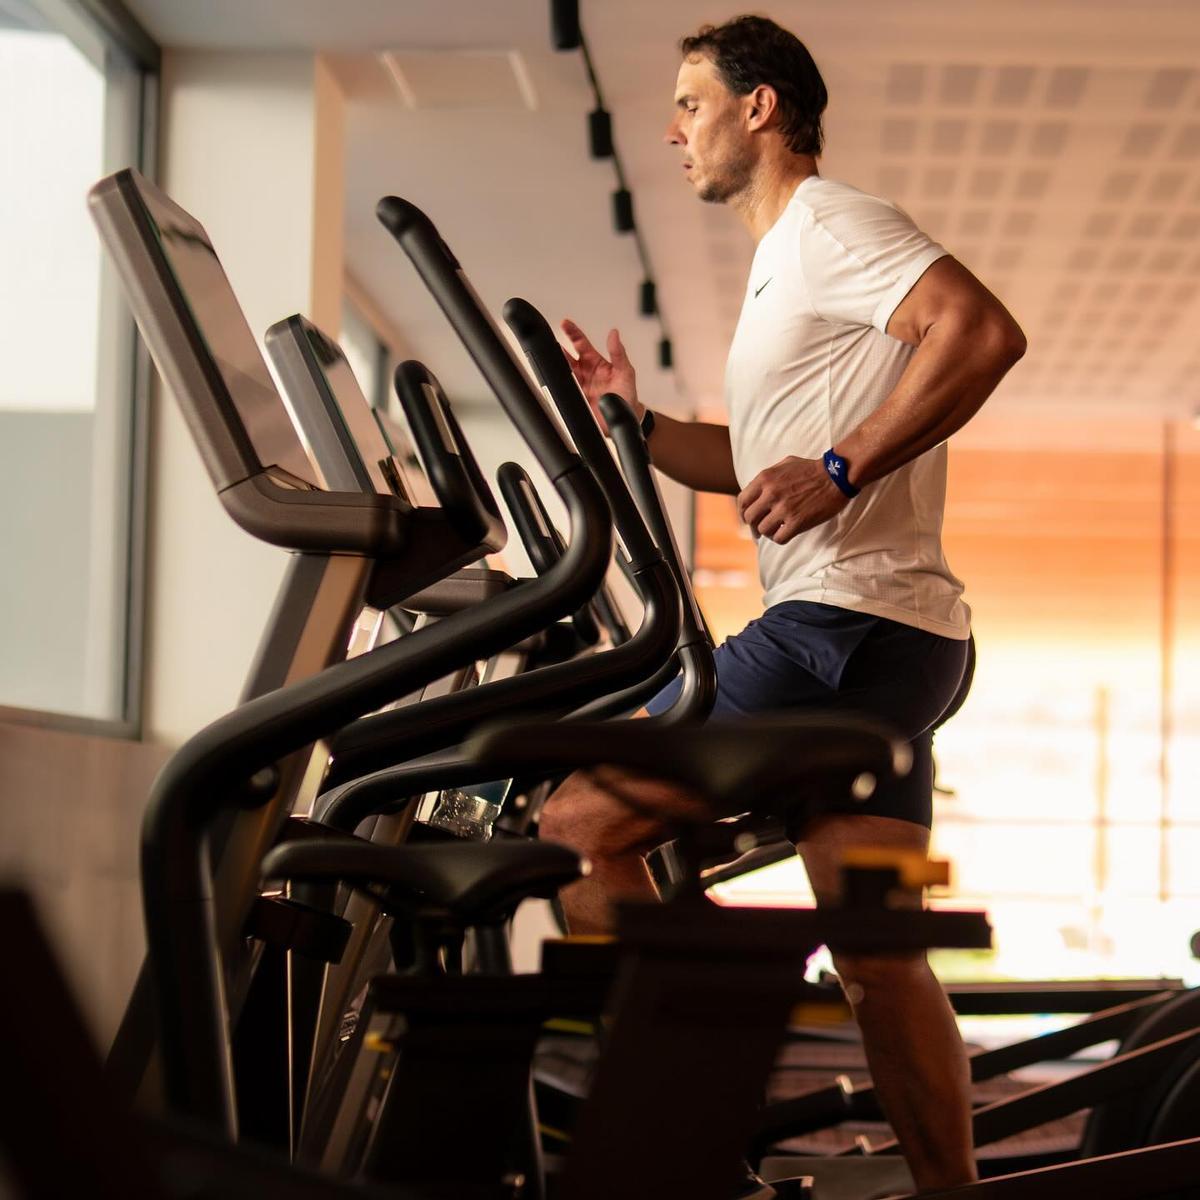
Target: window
(1068, 802)
(366, 355)
(72, 98)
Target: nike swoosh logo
(756, 294)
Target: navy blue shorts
(801, 654)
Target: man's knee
(583, 816)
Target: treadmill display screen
(385, 474)
(222, 326)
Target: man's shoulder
(841, 209)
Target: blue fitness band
(837, 469)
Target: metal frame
(125, 31)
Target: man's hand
(788, 498)
(597, 375)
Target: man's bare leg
(586, 815)
(910, 1036)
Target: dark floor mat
(806, 1063)
(804, 1066)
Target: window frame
(111, 23)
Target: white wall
(253, 146)
(240, 152)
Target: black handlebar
(543, 543)
(443, 276)
(550, 366)
(639, 474)
(449, 463)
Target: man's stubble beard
(733, 178)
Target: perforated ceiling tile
(1167, 86)
(975, 221)
(1048, 138)
(1164, 262)
(1186, 227)
(1144, 225)
(949, 136)
(1013, 85)
(1005, 258)
(985, 183)
(998, 137)
(898, 136)
(1119, 185)
(906, 83)
(893, 181)
(1100, 225)
(1125, 260)
(1142, 138)
(1066, 86)
(938, 181)
(1186, 144)
(1020, 223)
(960, 83)
(1032, 184)
(1166, 185)
(934, 222)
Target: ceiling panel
(1052, 145)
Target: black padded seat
(471, 883)
(771, 766)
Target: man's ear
(763, 104)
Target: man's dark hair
(749, 51)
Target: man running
(861, 347)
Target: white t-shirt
(809, 361)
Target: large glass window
(366, 354)
(71, 110)
(1067, 799)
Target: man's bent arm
(694, 453)
(966, 342)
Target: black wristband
(647, 425)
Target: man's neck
(761, 203)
